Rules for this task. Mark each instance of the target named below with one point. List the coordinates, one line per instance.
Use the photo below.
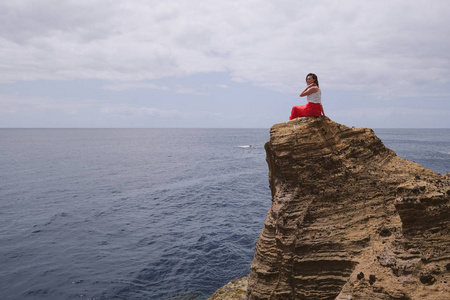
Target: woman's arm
(323, 112)
(310, 89)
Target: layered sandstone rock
(349, 219)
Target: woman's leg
(315, 110)
(298, 111)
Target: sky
(222, 64)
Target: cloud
(134, 85)
(39, 111)
(130, 111)
(190, 91)
(16, 104)
(351, 44)
(123, 86)
(127, 110)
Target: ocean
(143, 213)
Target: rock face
(349, 219)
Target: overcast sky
(214, 63)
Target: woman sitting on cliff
(313, 95)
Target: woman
(313, 95)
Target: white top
(315, 97)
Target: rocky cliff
(349, 219)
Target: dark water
(128, 214)
(142, 213)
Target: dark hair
(314, 76)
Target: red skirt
(308, 110)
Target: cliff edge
(349, 219)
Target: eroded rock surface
(234, 290)
(349, 219)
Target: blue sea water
(143, 213)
